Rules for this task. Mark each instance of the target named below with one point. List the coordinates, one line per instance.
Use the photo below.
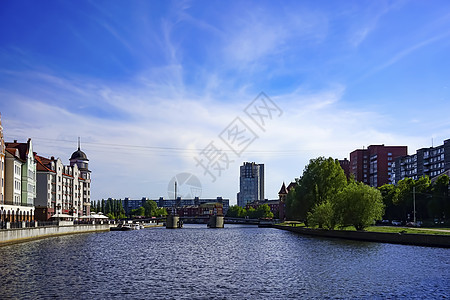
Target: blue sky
(147, 85)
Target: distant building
(430, 162)
(282, 194)
(169, 203)
(130, 204)
(273, 204)
(373, 165)
(345, 165)
(63, 189)
(251, 183)
(202, 210)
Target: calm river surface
(237, 262)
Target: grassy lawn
(390, 229)
(409, 230)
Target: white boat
(126, 227)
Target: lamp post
(414, 204)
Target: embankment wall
(380, 237)
(12, 236)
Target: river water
(237, 262)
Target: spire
(79, 144)
(283, 190)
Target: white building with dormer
(63, 189)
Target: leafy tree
(292, 206)
(439, 205)
(150, 208)
(359, 205)
(251, 213)
(138, 212)
(389, 192)
(323, 216)
(321, 179)
(264, 211)
(160, 212)
(236, 211)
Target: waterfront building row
(431, 162)
(379, 164)
(37, 188)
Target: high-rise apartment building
(430, 162)
(251, 183)
(374, 165)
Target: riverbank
(430, 240)
(20, 235)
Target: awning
(62, 216)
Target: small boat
(126, 227)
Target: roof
(291, 186)
(22, 147)
(283, 190)
(41, 164)
(79, 155)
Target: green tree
(251, 213)
(150, 207)
(389, 192)
(321, 179)
(236, 211)
(264, 212)
(140, 211)
(322, 215)
(160, 212)
(439, 205)
(359, 205)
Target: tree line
(324, 197)
(113, 209)
(262, 212)
(431, 199)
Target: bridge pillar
(173, 222)
(216, 221)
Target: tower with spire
(80, 159)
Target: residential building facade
(374, 165)
(251, 183)
(430, 162)
(63, 189)
(18, 181)
(2, 164)
(345, 165)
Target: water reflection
(237, 262)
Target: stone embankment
(430, 240)
(12, 236)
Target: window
(389, 154)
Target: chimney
(15, 141)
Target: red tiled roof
(41, 164)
